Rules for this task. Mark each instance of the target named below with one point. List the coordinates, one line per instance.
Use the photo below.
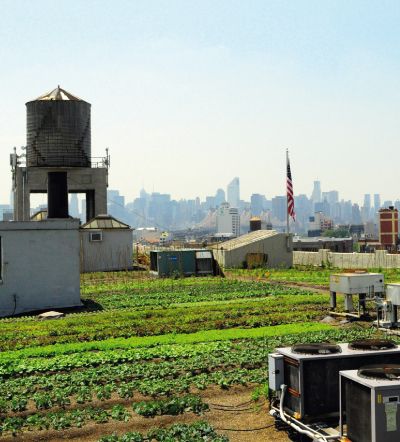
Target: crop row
(125, 323)
(82, 354)
(20, 365)
(154, 297)
(182, 367)
(162, 285)
(197, 432)
(47, 390)
(62, 419)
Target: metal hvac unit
(389, 307)
(311, 372)
(363, 284)
(369, 400)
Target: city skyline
(179, 90)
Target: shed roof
(58, 94)
(244, 240)
(105, 222)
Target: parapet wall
(380, 258)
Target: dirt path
(219, 419)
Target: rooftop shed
(107, 245)
(267, 247)
(187, 262)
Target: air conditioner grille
(372, 344)
(316, 349)
(387, 372)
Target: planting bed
(155, 353)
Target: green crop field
(144, 350)
(306, 274)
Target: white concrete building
(39, 265)
(316, 221)
(228, 219)
(107, 245)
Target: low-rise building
(107, 245)
(338, 245)
(262, 247)
(39, 265)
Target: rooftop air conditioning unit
(311, 372)
(96, 236)
(369, 400)
(363, 284)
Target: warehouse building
(262, 247)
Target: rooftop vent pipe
(57, 195)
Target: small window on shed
(98, 236)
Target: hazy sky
(189, 94)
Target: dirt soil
(223, 420)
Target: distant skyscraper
(74, 206)
(220, 197)
(316, 195)
(257, 203)
(234, 192)
(367, 201)
(347, 211)
(356, 215)
(279, 207)
(333, 197)
(386, 204)
(377, 202)
(325, 196)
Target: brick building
(389, 228)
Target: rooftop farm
(155, 360)
(307, 275)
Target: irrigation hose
(231, 406)
(238, 410)
(251, 429)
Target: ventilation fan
(316, 349)
(372, 344)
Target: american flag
(290, 198)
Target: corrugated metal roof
(58, 94)
(105, 222)
(244, 240)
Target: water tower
(59, 147)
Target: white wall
(380, 258)
(114, 252)
(40, 265)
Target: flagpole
(287, 195)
